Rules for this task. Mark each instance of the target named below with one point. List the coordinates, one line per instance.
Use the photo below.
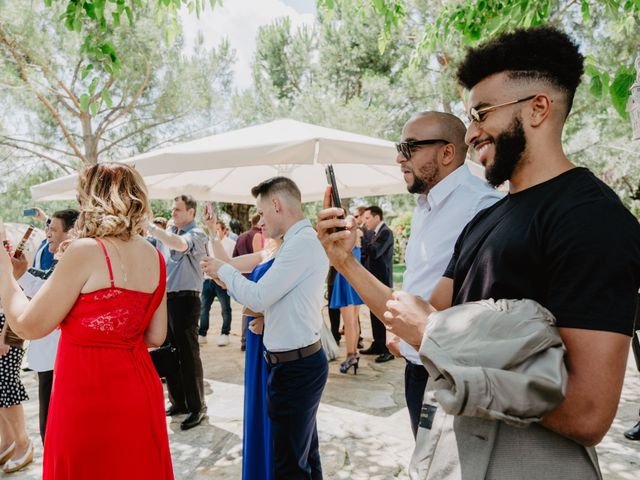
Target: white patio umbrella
(224, 167)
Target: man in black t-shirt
(561, 237)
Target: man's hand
(20, 265)
(216, 279)
(257, 325)
(406, 317)
(40, 215)
(393, 344)
(210, 220)
(338, 244)
(210, 266)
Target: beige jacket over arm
(495, 368)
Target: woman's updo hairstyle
(113, 202)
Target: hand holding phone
(30, 212)
(210, 211)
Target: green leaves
(99, 19)
(84, 102)
(620, 89)
(106, 97)
(86, 70)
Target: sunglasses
(479, 114)
(407, 148)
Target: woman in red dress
(107, 295)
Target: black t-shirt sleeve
(594, 268)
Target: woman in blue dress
(256, 438)
(344, 297)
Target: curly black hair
(540, 53)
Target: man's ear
(277, 203)
(447, 154)
(540, 109)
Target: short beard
(418, 186)
(424, 184)
(509, 145)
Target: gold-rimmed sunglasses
(479, 114)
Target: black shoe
(372, 350)
(384, 357)
(173, 410)
(193, 420)
(634, 432)
(360, 344)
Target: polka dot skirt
(12, 391)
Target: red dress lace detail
(106, 416)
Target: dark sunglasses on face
(479, 114)
(407, 148)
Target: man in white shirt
(291, 296)
(41, 354)
(431, 156)
(449, 197)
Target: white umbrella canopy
(224, 167)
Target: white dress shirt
(438, 219)
(291, 292)
(41, 354)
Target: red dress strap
(106, 255)
(162, 281)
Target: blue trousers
(211, 290)
(294, 390)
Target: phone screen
(30, 212)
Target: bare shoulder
(81, 247)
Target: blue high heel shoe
(351, 361)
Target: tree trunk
(89, 139)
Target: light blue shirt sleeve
(291, 265)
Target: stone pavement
(363, 423)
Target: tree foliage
(71, 112)
(96, 20)
(343, 79)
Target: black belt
(273, 358)
(183, 293)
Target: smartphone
(30, 212)
(331, 180)
(209, 210)
(23, 242)
(335, 196)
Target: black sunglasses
(407, 148)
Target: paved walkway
(363, 423)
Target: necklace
(122, 269)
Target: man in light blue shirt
(291, 296)
(187, 246)
(449, 196)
